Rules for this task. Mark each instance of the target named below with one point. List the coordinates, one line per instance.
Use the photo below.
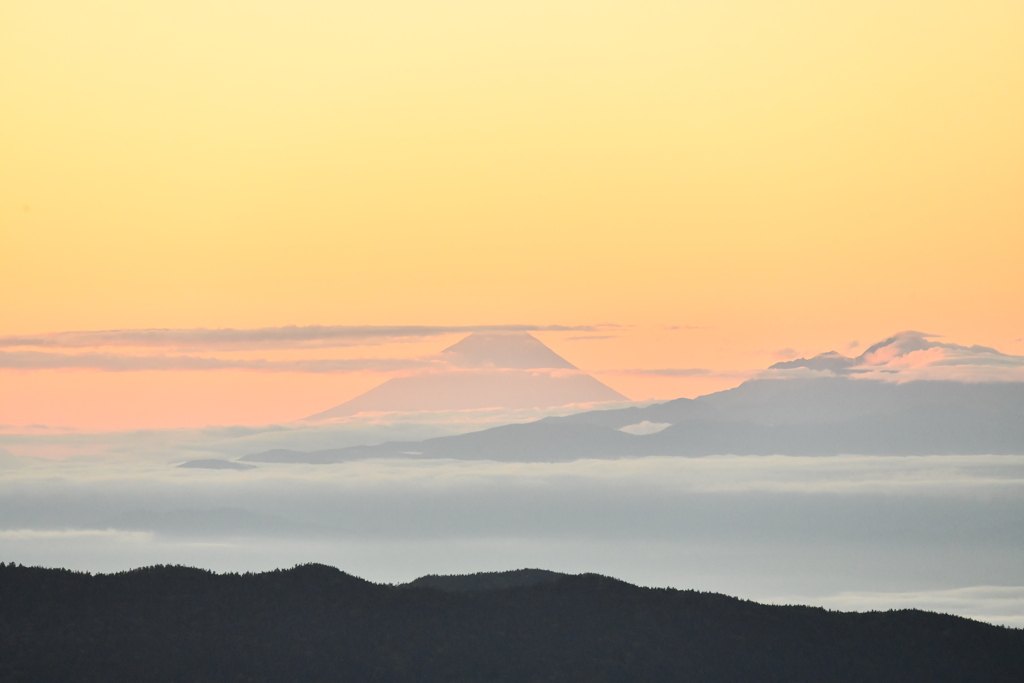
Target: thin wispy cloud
(678, 372)
(75, 534)
(285, 337)
(114, 362)
(663, 372)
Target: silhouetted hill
(215, 464)
(483, 581)
(315, 623)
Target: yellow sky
(784, 175)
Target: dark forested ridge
(315, 623)
(464, 583)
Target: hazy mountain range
(798, 416)
(906, 395)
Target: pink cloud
(911, 355)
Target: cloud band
(286, 337)
(113, 362)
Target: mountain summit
(509, 350)
(509, 371)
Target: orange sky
(791, 175)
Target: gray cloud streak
(664, 372)
(289, 336)
(112, 362)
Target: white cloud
(645, 427)
(909, 356)
(994, 604)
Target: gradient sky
(772, 179)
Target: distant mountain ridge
(314, 623)
(801, 416)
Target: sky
(220, 217)
(696, 188)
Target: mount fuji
(508, 370)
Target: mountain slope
(819, 416)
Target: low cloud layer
(994, 604)
(908, 356)
(20, 445)
(654, 497)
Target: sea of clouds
(846, 532)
